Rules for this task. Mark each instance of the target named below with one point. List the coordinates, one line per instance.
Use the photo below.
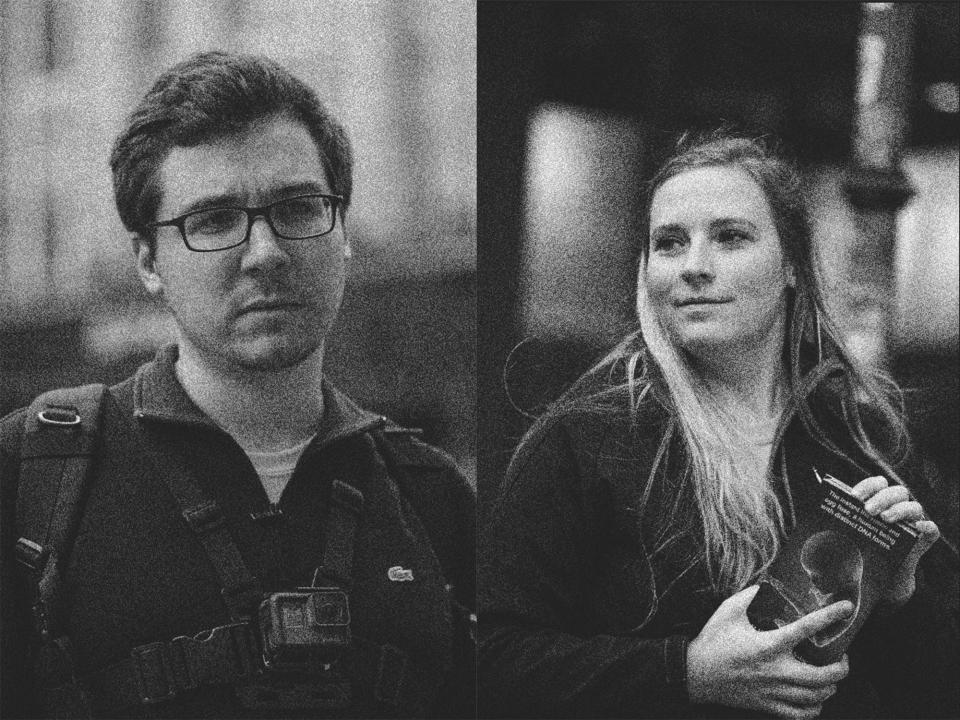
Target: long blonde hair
(743, 521)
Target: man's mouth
(270, 305)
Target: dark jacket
(138, 574)
(566, 584)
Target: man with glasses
(225, 533)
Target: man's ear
(146, 260)
(347, 246)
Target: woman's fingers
(809, 625)
(815, 676)
(868, 486)
(802, 695)
(907, 510)
(929, 532)
(885, 498)
(788, 710)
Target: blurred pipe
(875, 183)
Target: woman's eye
(731, 236)
(666, 243)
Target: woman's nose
(698, 264)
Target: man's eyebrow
(306, 186)
(234, 199)
(206, 202)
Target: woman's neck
(264, 410)
(752, 385)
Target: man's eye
(213, 221)
(305, 205)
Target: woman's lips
(700, 301)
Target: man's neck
(264, 410)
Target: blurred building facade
(402, 78)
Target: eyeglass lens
(293, 219)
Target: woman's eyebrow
(714, 224)
(667, 228)
(720, 222)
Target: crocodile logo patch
(399, 574)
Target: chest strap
(160, 671)
(228, 655)
(343, 517)
(240, 590)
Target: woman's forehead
(702, 195)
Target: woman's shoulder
(582, 439)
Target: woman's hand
(733, 664)
(892, 503)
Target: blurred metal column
(875, 183)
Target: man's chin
(271, 354)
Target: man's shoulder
(11, 432)
(423, 467)
(409, 449)
(14, 424)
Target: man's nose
(698, 263)
(262, 250)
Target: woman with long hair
(641, 509)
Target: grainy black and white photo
(717, 378)
(479, 359)
(237, 272)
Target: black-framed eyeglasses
(295, 218)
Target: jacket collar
(159, 396)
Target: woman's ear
(791, 275)
(146, 261)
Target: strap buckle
(152, 670)
(222, 655)
(205, 517)
(31, 555)
(59, 416)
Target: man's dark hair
(207, 96)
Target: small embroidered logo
(399, 574)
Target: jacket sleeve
(537, 658)
(17, 698)
(912, 654)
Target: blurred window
(57, 28)
(149, 27)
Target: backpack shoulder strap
(58, 447)
(56, 454)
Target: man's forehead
(258, 162)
